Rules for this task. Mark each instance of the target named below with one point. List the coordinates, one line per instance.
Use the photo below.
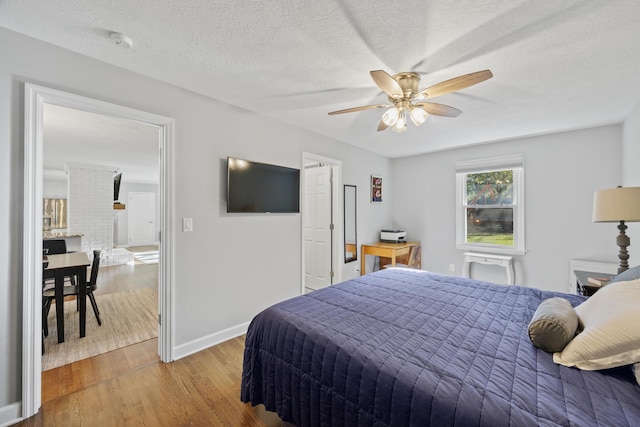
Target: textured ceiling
(557, 64)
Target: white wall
(55, 189)
(90, 208)
(631, 174)
(561, 173)
(231, 266)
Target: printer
(393, 236)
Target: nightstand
(582, 281)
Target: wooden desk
(385, 250)
(70, 264)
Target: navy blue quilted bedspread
(406, 347)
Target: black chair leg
(45, 313)
(92, 298)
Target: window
(490, 205)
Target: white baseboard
(10, 414)
(203, 343)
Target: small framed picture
(376, 189)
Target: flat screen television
(116, 186)
(261, 188)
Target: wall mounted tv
(262, 188)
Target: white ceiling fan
(403, 92)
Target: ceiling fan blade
(387, 83)
(438, 109)
(382, 126)
(354, 109)
(454, 84)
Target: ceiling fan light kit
(401, 124)
(390, 117)
(418, 116)
(403, 92)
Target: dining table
(73, 264)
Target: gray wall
(631, 174)
(214, 289)
(561, 173)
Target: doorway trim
(337, 236)
(35, 98)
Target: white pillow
(611, 334)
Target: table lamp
(621, 204)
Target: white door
(317, 227)
(142, 218)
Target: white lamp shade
(617, 204)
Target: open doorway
(92, 162)
(37, 99)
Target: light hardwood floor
(120, 278)
(130, 386)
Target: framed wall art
(376, 189)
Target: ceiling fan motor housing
(409, 83)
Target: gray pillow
(631, 274)
(553, 325)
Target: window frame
(463, 168)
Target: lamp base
(623, 241)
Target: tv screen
(116, 187)
(260, 187)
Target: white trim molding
(192, 347)
(35, 98)
(10, 414)
(514, 162)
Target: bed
(408, 347)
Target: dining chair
(54, 247)
(45, 324)
(49, 295)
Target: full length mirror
(350, 243)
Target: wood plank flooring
(130, 386)
(124, 277)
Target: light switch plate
(187, 224)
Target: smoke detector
(121, 40)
